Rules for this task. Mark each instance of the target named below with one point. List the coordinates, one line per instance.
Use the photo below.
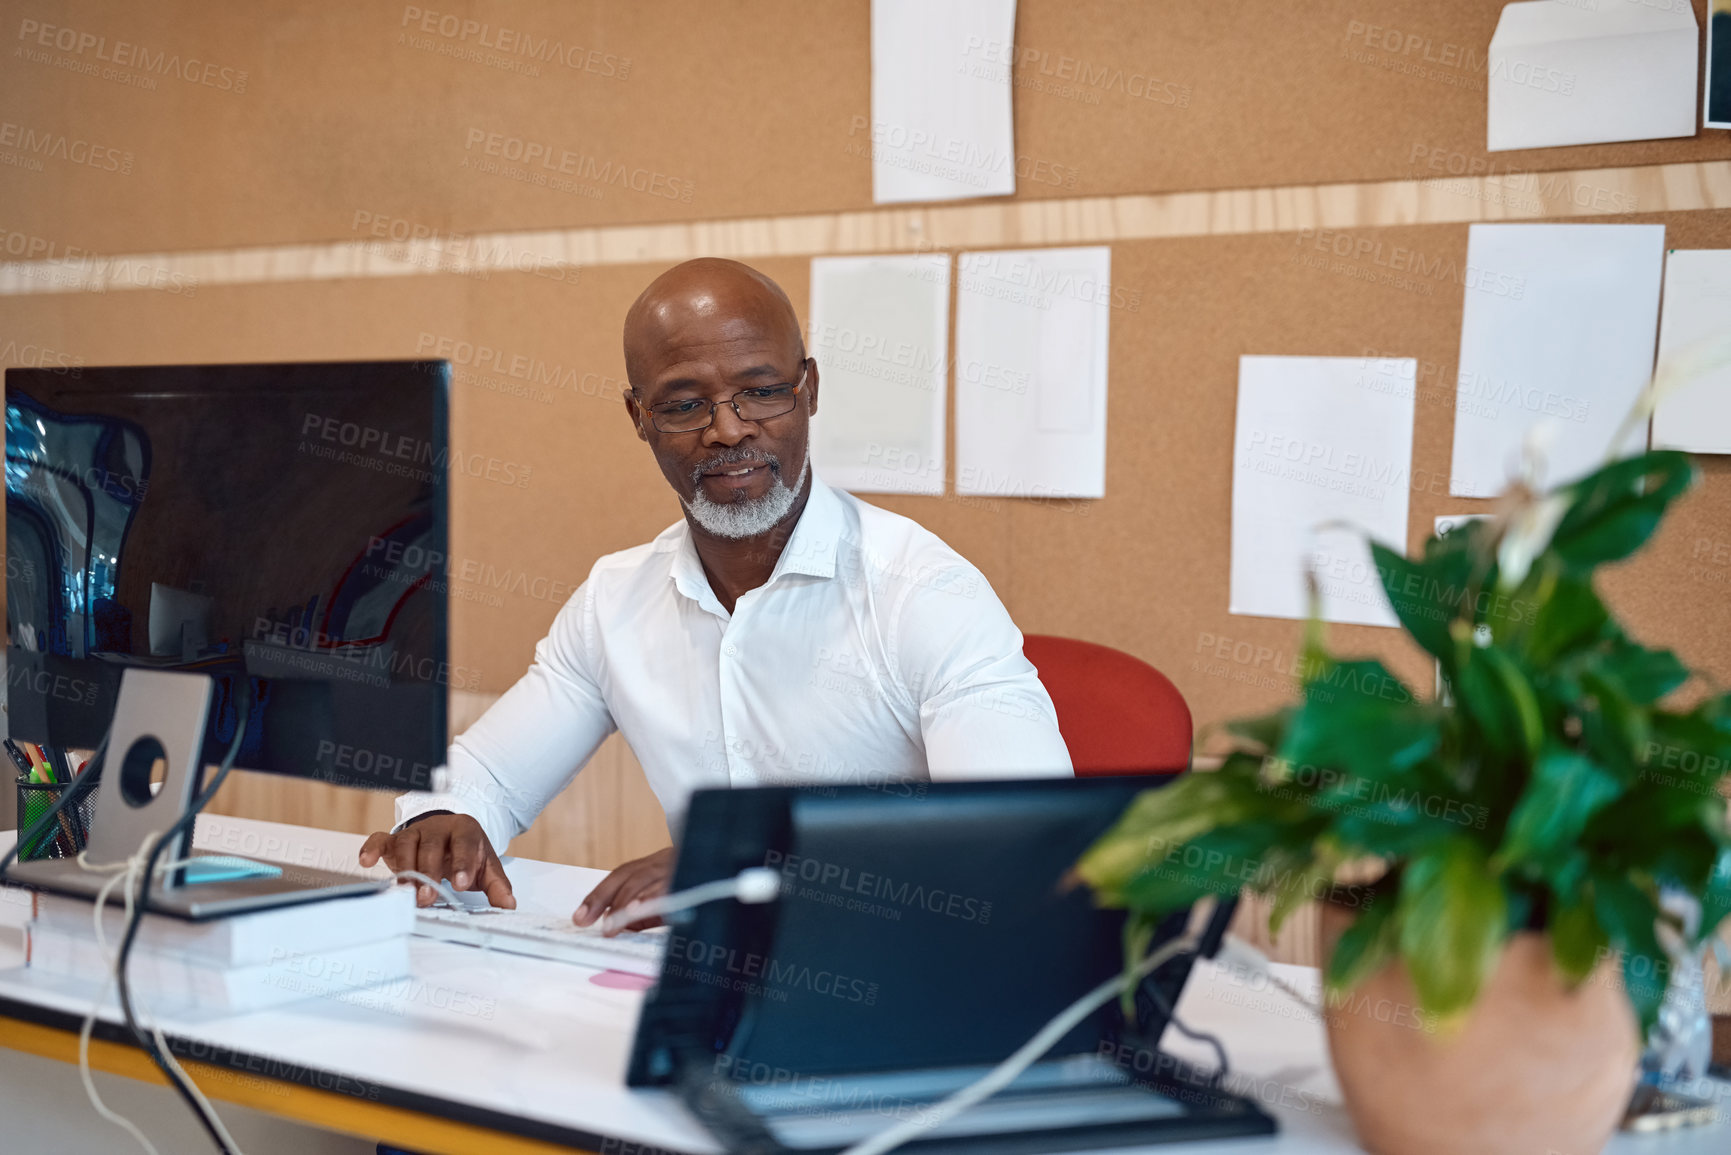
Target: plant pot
(1535, 1068)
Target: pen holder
(70, 831)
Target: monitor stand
(160, 717)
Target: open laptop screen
(921, 925)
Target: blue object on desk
(225, 868)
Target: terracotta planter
(1535, 1068)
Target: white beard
(748, 517)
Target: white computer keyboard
(546, 936)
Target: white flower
(1528, 532)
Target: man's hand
(444, 846)
(646, 877)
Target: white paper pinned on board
(1322, 459)
(941, 125)
(1565, 73)
(880, 334)
(1032, 327)
(1558, 330)
(1695, 341)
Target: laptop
(925, 931)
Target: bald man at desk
(782, 632)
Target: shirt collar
(811, 548)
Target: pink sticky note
(622, 981)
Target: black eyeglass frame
(733, 400)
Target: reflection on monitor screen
(286, 524)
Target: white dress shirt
(874, 651)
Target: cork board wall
(539, 368)
(324, 122)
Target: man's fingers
(400, 849)
(640, 924)
(646, 888)
(603, 896)
(496, 886)
(374, 847)
(467, 856)
(430, 861)
(646, 877)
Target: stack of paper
(1571, 73)
(1557, 332)
(242, 963)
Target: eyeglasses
(758, 403)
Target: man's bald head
(709, 297)
(723, 393)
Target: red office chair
(1118, 714)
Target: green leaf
(1360, 719)
(1365, 947)
(1716, 901)
(1691, 751)
(1159, 820)
(1614, 536)
(1500, 698)
(1612, 726)
(1426, 595)
(1565, 791)
(1300, 884)
(1453, 916)
(1614, 511)
(1220, 862)
(1643, 675)
(1398, 813)
(1652, 822)
(1630, 916)
(1577, 940)
(1688, 858)
(1381, 832)
(1570, 618)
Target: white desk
(509, 1054)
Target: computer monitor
(283, 524)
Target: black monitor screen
(282, 524)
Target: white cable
(128, 875)
(758, 884)
(123, 874)
(1006, 1072)
(442, 888)
(1235, 951)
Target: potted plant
(1521, 826)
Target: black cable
(146, 1040)
(1223, 1068)
(74, 789)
